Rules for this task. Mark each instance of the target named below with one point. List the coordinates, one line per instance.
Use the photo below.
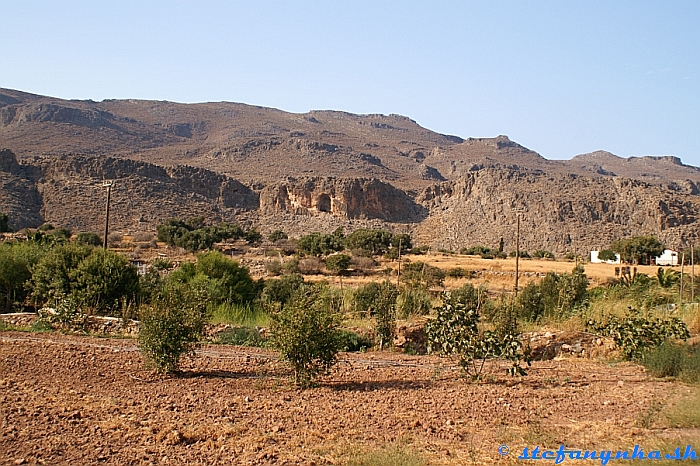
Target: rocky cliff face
(558, 212)
(68, 191)
(357, 198)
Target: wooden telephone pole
(107, 184)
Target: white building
(669, 257)
(595, 260)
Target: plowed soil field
(80, 400)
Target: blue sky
(560, 77)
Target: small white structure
(595, 260)
(669, 257)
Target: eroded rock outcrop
(339, 197)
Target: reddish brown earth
(82, 400)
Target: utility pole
(517, 254)
(681, 285)
(107, 184)
(398, 274)
(692, 272)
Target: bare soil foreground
(80, 400)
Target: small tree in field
(338, 263)
(172, 326)
(306, 332)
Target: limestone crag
(558, 212)
(341, 197)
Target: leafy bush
(353, 341)
(161, 264)
(385, 313)
(338, 263)
(88, 238)
(52, 275)
(403, 239)
(277, 235)
(306, 332)
(420, 250)
(419, 274)
(104, 281)
(455, 332)
(364, 299)
(231, 279)
(172, 326)
(318, 244)
(475, 251)
(635, 334)
(555, 296)
(607, 255)
(542, 254)
(372, 241)
(281, 290)
(16, 263)
(413, 302)
(194, 236)
(242, 336)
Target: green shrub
(338, 263)
(475, 251)
(385, 313)
(607, 255)
(318, 244)
(636, 334)
(16, 263)
(274, 267)
(413, 302)
(172, 326)
(523, 254)
(455, 332)
(353, 341)
(542, 254)
(556, 296)
(420, 250)
(161, 264)
(105, 282)
(364, 299)
(242, 336)
(52, 275)
(232, 280)
(277, 235)
(281, 290)
(673, 360)
(372, 241)
(404, 240)
(306, 332)
(419, 274)
(88, 238)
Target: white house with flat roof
(669, 257)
